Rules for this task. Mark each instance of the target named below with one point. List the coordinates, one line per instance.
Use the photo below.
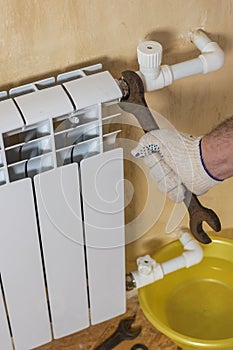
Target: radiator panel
(12, 118)
(103, 203)
(58, 198)
(21, 267)
(92, 89)
(40, 105)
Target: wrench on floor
(134, 102)
(123, 332)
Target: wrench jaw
(199, 214)
(126, 329)
(198, 232)
(196, 225)
(134, 101)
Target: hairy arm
(217, 150)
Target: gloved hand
(175, 160)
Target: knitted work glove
(174, 160)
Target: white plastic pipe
(150, 271)
(157, 77)
(186, 68)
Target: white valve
(146, 264)
(150, 57)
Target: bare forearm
(217, 150)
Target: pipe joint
(193, 253)
(156, 81)
(212, 57)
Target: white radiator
(62, 262)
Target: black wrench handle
(111, 342)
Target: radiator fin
(103, 202)
(21, 268)
(59, 208)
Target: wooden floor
(91, 337)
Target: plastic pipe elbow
(212, 56)
(193, 253)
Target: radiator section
(10, 116)
(21, 268)
(100, 89)
(102, 189)
(58, 199)
(43, 104)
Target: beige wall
(44, 37)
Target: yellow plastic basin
(194, 306)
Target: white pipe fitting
(156, 76)
(212, 56)
(193, 252)
(150, 271)
(149, 58)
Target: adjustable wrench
(133, 94)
